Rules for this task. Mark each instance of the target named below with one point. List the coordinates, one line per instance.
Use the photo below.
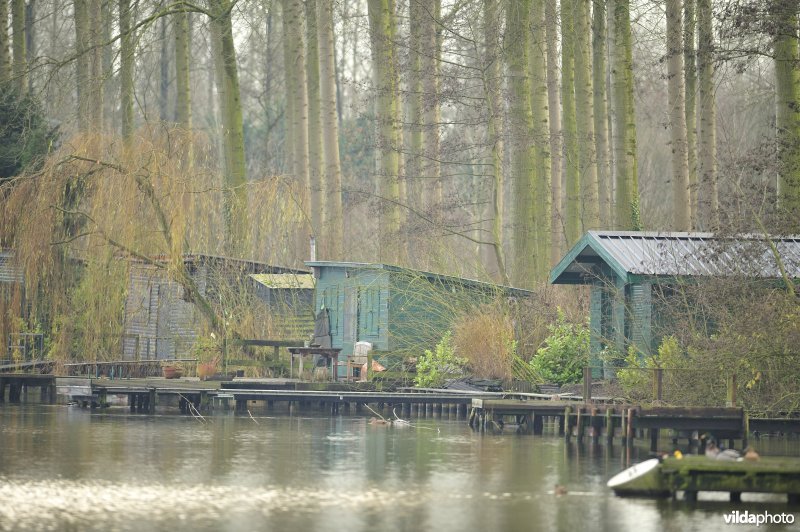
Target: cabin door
(350, 324)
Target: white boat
(643, 479)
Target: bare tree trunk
(542, 200)
(690, 68)
(624, 138)
(381, 33)
(163, 80)
(677, 117)
(584, 108)
(492, 87)
(431, 107)
(233, 134)
(600, 101)
(5, 58)
(708, 202)
(30, 38)
(314, 132)
(295, 68)
(183, 98)
(554, 114)
(787, 104)
(20, 65)
(569, 125)
(82, 79)
(333, 222)
(126, 62)
(96, 63)
(414, 154)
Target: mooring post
(658, 382)
(731, 396)
(609, 426)
(587, 384)
(629, 433)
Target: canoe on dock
(692, 474)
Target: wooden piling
(151, 401)
(594, 427)
(567, 425)
(609, 426)
(538, 424)
(2, 390)
(579, 421)
(624, 423)
(629, 433)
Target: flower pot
(172, 372)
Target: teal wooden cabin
(400, 311)
(630, 274)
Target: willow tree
(314, 130)
(569, 126)
(690, 74)
(554, 115)
(537, 64)
(233, 132)
(600, 102)
(624, 138)
(333, 221)
(381, 25)
(787, 102)
(584, 109)
(126, 63)
(681, 200)
(20, 65)
(707, 144)
(183, 98)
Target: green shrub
(434, 368)
(565, 353)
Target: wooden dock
(596, 421)
(693, 474)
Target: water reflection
(69, 469)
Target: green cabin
(629, 272)
(399, 310)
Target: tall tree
(520, 129)
(599, 37)
(429, 63)
(82, 78)
(584, 109)
(233, 133)
(787, 102)
(163, 78)
(333, 221)
(624, 138)
(540, 138)
(554, 115)
(126, 63)
(296, 91)
(381, 24)
(707, 143)
(677, 118)
(492, 83)
(414, 154)
(569, 127)
(314, 130)
(690, 68)
(183, 97)
(96, 74)
(5, 59)
(20, 65)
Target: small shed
(161, 323)
(397, 310)
(624, 268)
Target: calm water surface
(63, 468)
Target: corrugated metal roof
(510, 290)
(9, 271)
(284, 280)
(680, 254)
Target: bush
(565, 353)
(434, 368)
(486, 340)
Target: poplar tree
(681, 200)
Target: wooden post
(538, 424)
(609, 426)
(731, 396)
(745, 429)
(593, 426)
(2, 390)
(653, 440)
(579, 420)
(624, 424)
(587, 384)
(658, 382)
(567, 426)
(151, 403)
(629, 434)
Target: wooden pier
(596, 421)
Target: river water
(63, 468)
